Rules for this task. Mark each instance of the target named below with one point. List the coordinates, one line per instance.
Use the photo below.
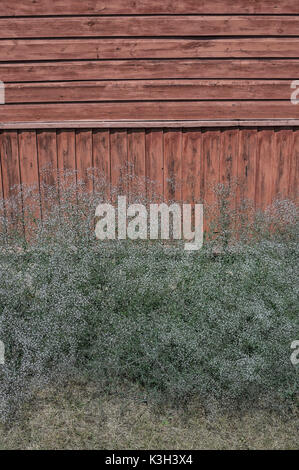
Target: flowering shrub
(216, 324)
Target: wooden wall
(74, 69)
(148, 59)
(184, 163)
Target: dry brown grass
(80, 417)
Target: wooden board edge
(147, 124)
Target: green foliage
(215, 324)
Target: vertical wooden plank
(265, 152)
(294, 168)
(66, 163)
(84, 157)
(47, 157)
(211, 156)
(136, 163)
(281, 162)
(154, 162)
(173, 165)
(101, 160)
(210, 166)
(29, 175)
(1, 181)
(101, 152)
(247, 165)
(228, 164)
(2, 208)
(9, 155)
(47, 162)
(191, 165)
(119, 161)
(66, 150)
(28, 158)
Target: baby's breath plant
(216, 325)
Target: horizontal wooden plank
(127, 7)
(149, 26)
(74, 49)
(148, 124)
(145, 90)
(196, 110)
(150, 69)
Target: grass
(80, 416)
(147, 333)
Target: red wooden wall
(145, 60)
(184, 163)
(206, 86)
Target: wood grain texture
(66, 163)
(228, 163)
(136, 161)
(112, 71)
(101, 157)
(150, 70)
(264, 176)
(211, 166)
(172, 146)
(102, 124)
(293, 180)
(119, 159)
(84, 161)
(151, 111)
(247, 164)
(47, 156)
(154, 48)
(191, 166)
(47, 165)
(29, 174)
(28, 158)
(10, 179)
(1, 193)
(126, 26)
(66, 150)
(9, 158)
(127, 7)
(229, 149)
(284, 141)
(154, 161)
(179, 165)
(143, 90)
